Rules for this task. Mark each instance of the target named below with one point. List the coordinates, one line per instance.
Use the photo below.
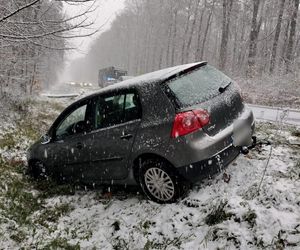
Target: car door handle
(79, 145)
(126, 136)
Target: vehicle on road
(162, 131)
(110, 75)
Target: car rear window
(198, 86)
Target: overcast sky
(102, 17)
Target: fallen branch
(264, 170)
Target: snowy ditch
(214, 214)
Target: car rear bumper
(204, 169)
(206, 155)
(199, 146)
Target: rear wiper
(223, 88)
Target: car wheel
(160, 182)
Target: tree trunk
(197, 54)
(255, 28)
(205, 35)
(242, 47)
(290, 47)
(276, 38)
(227, 7)
(284, 45)
(188, 47)
(186, 30)
(174, 38)
(169, 44)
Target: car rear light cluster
(189, 121)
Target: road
(276, 114)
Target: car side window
(116, 109)
(109, 111)
(132, 107)
(74, 123)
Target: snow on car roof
(158, 75)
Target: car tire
(160, 182)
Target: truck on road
(110, 75)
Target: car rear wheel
(160, 182)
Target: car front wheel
(160, 182)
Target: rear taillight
(189, 121)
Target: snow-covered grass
(239, 214)
(272, 90)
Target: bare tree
(227, 8)
(18, 9)
(155, 34)
(276, 37)
(193, 26)
(199, 33)
(33, 38)
(174, 35)
(186, 29)
(290, 47)
(255, 28)
(208, 23)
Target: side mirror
(45, 139)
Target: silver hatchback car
(161, 130)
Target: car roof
(156, 76)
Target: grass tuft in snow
(218, 214)
(23, 208)
(165, 244)
(19, 236)
(295, 132)
(120, 244)
(147, 224)
(218, 233)
(17, 202)
(8, 141)
(49, 188)
(116, 225)
(29, 129)
(250, 217)
(61, 243)
(52, 214)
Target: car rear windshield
(198, 86)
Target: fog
(251, 46)
(102, 17)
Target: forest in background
(245, 38)
(29, 56)
(248, 39)
(34, 36)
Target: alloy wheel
(159, 184)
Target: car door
(69, 148)
(117, 117)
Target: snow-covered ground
(239, 214)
